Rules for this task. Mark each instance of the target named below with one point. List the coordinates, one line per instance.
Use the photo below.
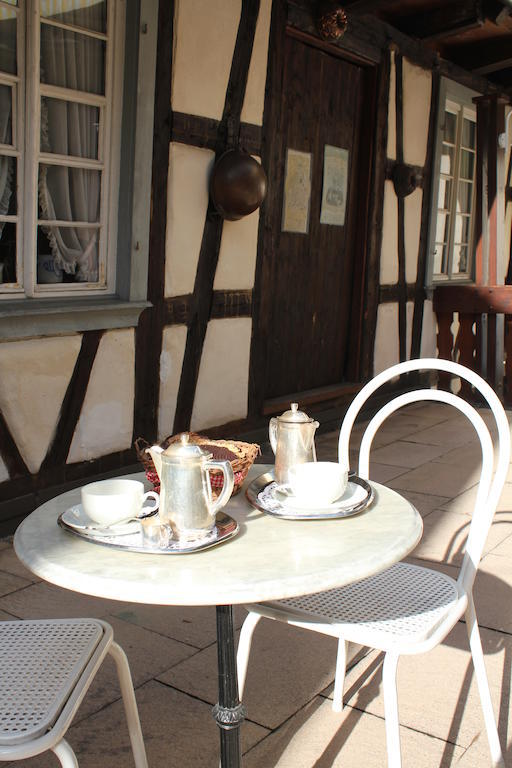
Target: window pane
(71, 60)
(8, 41)
(467, 164)
(448, 160)
(445, 193)
(450, 127)
(464, 197)
(69, 194)
(460, 259)
(5, 115)
(68, 128)
(440, 259)
(442, 227)
(462, 229)
(67, 254)
(468, 133)
(7, 252)
(7, 185)
(92, 15)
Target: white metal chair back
(489, 488)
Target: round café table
(269, 559)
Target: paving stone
(39, 601)
(452, 432)
(10, 563)
(406, 454)
(287, 667)
(317, 736)
(193, 625)
(437, 692)
(493, 594)
(383, 473)
(439, 479)
(425, 503)
(444, 537)
(10, 583)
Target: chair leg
(130, 705)
(244, 648)
(65, 754)
(391, 710)
(339, 680)
(477, 655)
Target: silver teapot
(292, 437)
(186, 500)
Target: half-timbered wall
(71, 406)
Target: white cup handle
(150, 495)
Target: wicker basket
(241, 457)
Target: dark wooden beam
(9, 452)
(228, 303)
(392, 293)
(483, 56)
(212, 232)
(438, 23)
(149, 333)
(419, 293)
(475, 299)
(202, 132)
(402, 301)
(73, 400)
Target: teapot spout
(156, 454)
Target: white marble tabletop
(270, 558)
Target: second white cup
(108, 502)
(316, 483)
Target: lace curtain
(75, 61)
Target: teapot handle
(227, 486)
(272, 433)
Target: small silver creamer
(292, 437)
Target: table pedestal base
(229, 713)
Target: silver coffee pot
(292, 437)
(186, 499)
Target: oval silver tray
(225, 528)
(287, 513)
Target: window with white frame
(452, 215)
(60, 75)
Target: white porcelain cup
(108, 502)
(316, 483)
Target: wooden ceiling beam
(445, 21)
(485, 56)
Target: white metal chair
(46, 668)
(407, 609)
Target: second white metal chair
(46, 668)
(407, 609)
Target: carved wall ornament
(238, 184)
(331, 20)
(405, 179)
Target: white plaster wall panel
(187, 202)
(412, 219)
(252, 110)
(4, 474)
(416, 100)
(223, 383)
(389, 248)
(106, 421)
(429, 331)
(387, 350)
(34, 376)
(391, 150)
(171, 363)
(204, 40)
(237, 255)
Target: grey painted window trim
(452, 91)
(24, 318)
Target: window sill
(29, 318)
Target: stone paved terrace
(429, 456)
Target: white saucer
(77, 518)
(354, 494)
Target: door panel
(310, 288)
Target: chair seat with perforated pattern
(405, 601)
(40, 664)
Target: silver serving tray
(225, 528)
(288, 513)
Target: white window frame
(457, 99)
(45, 311)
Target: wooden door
(311, 284)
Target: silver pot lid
(184, 450)
(294, 415)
